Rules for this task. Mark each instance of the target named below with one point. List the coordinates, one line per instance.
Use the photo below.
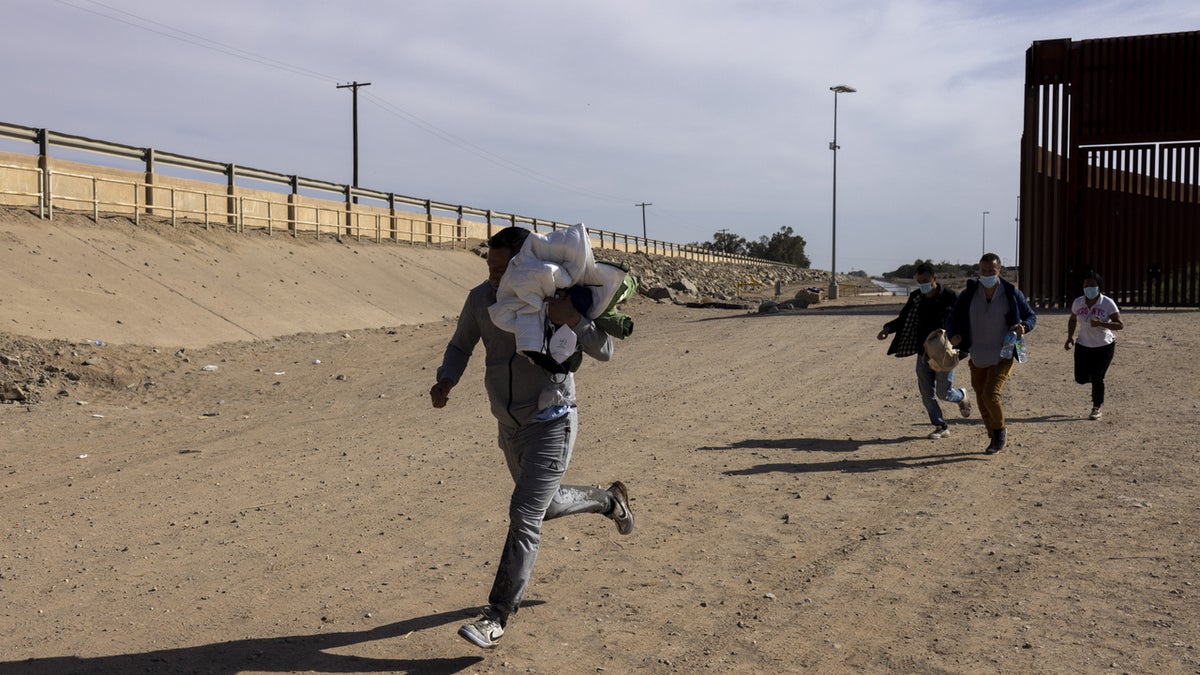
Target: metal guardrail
(346, 213)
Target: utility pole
(354, 87)
(644, 205)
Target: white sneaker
(484, 632)
(621, 514)
(940, 432)
(1095, 414)
(964, 406)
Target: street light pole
(985, 215)
(833, 285)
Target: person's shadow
(841, 465)
(858, 465)
(305, 653)
(812, 444)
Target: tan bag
(942, 357)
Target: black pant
(1091, 364)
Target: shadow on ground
(303, 653)
(842, 465)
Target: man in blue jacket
(986, 310)
(538, 422)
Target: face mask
(1092, 292)
(988, 282)
(926, 288)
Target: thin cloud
(718, 113)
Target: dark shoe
(999, 440)
(621, 514)
(484, 632)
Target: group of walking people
(976, 325)
(537, 417)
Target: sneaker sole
(619, 491)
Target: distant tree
(784, 246)
(725, 241)
(942, 269)
(907, 271)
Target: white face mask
(989, 282)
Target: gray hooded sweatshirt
(517, 388)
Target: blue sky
(719, 114)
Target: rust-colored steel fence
(1110, 169)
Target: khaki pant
(988, 383)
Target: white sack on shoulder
(545, 263)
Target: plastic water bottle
(1009, 346)
(1019, 349)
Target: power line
(196, 40)
(168, 31)
(485, 154)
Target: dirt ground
(285, 499)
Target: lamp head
(843, 89)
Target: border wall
(1110, 169)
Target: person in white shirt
(1097, 317)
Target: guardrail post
(148, 156)
(489, 223)
(393, 227)
(428, 222)
(44, 177)
(231, 202)
(292, 199)
(349, 213)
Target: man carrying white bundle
(538, 422)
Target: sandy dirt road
(277, 514)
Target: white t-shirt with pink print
(1094, 336)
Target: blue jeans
(934, 385)
(537, 456)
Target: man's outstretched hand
(440, 393)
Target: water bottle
(1010, 344)
(1019, 350)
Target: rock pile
(683, 280)
(679, 279)
(28, 366)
